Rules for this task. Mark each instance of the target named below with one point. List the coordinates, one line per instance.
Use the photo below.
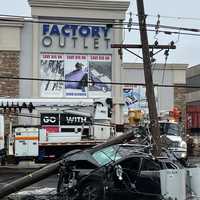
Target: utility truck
(171, 131)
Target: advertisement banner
(70, 119)
(100, 75)
(52, 67)
(49, 119)
(75, 70)
(135, 98)
(76, 76)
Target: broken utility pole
(154, 126)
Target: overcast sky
(188, 47)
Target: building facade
(70, 42)
(10, 49)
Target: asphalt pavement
(45, 189)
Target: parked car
(115, 172)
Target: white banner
(100, 75)
(52, 67)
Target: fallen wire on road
(33, 195)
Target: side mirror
(119, 172)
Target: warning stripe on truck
(26, 138)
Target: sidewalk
(23, 165)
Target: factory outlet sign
(80, 56)
(63, 119)
(75, 36)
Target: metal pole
(154, 126)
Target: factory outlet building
(70, 41)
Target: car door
(124, 187)
(148, 180)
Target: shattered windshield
(106, 155)
(169, 129)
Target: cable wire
(112, 25)
(101, 82)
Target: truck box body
(193, 117)
(26, 142)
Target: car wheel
(92, 190)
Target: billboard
(77, 75)
(135, 98)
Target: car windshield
(113, 153)
(169, 129)
(106, 155)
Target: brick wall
(9, 66)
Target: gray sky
(187, 47)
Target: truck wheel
(92, 190)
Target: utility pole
(154, 126)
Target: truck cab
(173, 133)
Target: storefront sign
(69, 30)
(71, 35)
(69, 119)
(49, 119)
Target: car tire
(92, 190)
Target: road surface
(44, 189)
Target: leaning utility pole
(154, 126)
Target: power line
(163, 31)
(112, 25)
(174, 17)
(128, 13)
(101, 82)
